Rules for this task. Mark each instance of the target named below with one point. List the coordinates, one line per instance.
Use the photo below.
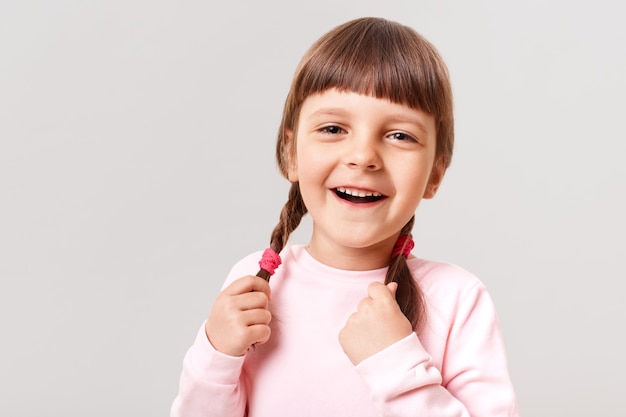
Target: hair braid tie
(270, 260)
(404, 245)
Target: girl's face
(363, 165)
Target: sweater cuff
(399, 368)
(210, 364)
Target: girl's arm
(210, 384)
(472, 379)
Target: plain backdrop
(136, 166)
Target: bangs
(379, 58)
(376, 58)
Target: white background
(136, 166)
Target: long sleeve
(473, 380)
(454, 366)
(210, 383)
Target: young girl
(353, 324)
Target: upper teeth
(358, 193)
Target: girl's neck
(351, 258)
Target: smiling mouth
(358, 196)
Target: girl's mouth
(358, 196)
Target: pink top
(455, 366)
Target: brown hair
(387, 60)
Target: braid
(290, 217)
(409, 295)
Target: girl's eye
(400, 136)
(332, 130)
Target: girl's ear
(290, 156)
(436, 176)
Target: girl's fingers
(246, 284)
(250, 301)
(380, 291)
(259, 334)
(259, 316)
(393, 288)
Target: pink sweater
(455, 366)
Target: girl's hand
(240, 317)
(377, 324)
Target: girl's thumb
(393, 287)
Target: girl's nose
(363, 154)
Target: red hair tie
(404, 245)
(270, 260)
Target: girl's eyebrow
(329, 111)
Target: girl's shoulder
(445, 280)
(451, 292)
(249, 264)
(429, 272)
